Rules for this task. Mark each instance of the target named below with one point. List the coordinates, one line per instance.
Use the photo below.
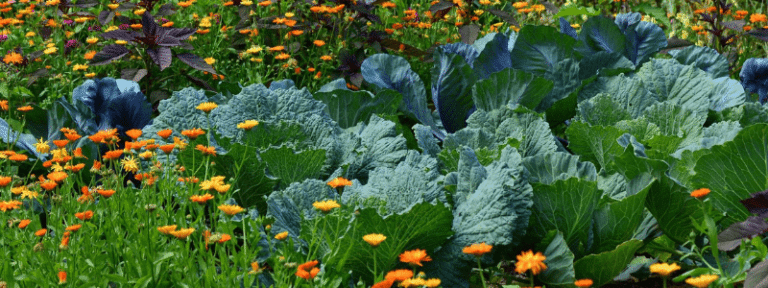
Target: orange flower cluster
(84, 215)
(326, 9)
(193, 133)
(105, 137)
(9, 205)
(308, 270)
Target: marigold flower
(700, 193)
(105, 193)
(206, 106)
(414, 257)
(193, 133)
(282, 56)
(664, 269)
(134, 133)
(61, 143)
(757, 17)
(282, 235)
(4, 104)
(41, 232)
(339, 181)
(74, 227)
(111, 155)
(18, 157)
(24, 223)
(528, 261)
(48, 185)
(166, 229)
(583, 283)
(201, 199)
(165, 133)
(231, 209)
(57, 176)
(248, 124)
(168, 148)
(9, 205)
(182, 233)
(386, 283)
(702, 281)
(326, 205)
(5, 180)
(84, 215)
(130, 164)
(374, 239)
(207, 150)
(13, 58)
(477, 249)
(307, 270)
(432, 282)
(399, 274)
(210, 61)
(25, 108)
(62, 277)
(412, 282)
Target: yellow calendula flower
(206, 106)
(374, 239)
(702, 281)
(130, 164)
(51, 50)
(210, 60)
(231, 209)
(42, 146)
(282, 235)
(664, 269)
(140, 12)
(326, 205)
(248, 124)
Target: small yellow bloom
(664, 269)
(121, 42)
(30, 34)
(374, 239)
(282, 235)
(182, 233)
(42, 146)
(326, 205)
(51, 50)
(206, 106)
(140, 11)
(231, 209)
(113, 6)
(210, 60)
(248, 124)
(702, 281)
(166, 229)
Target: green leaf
(293, 166)
(601, 268)
(735, 170)
(538, 49)
(601, 110)
(600, 34)
(348, 107)
(596, 144)
(559, 263)
(576, 11)
(616, 222)
(509, 87)
(565, 205)
(550, 167)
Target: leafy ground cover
(383, 144)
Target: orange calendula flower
(182, 233)
(61, 143)
(62, 277)
(168, 148)
(9, 205)
(105, 193)
(5, 180)
(41, 232)
(112, 155)
(700, 193)
(307, 270)
(48, 185)
(57, 176)
(4, 105)
(386, 283)
(528, 261)
(18, 157)
(84, 215)
(134, 133)
(399, 274)
(583, 283)
(414, 257)
(757, 17)
(338, 182)
(166, 229)
(25, 108)
(201, 199)
(326, 205)
(165, 133)
(193, 133)
(477, 249)
(207, 150)
(24, 223)
(74, 227)
(231, 209)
